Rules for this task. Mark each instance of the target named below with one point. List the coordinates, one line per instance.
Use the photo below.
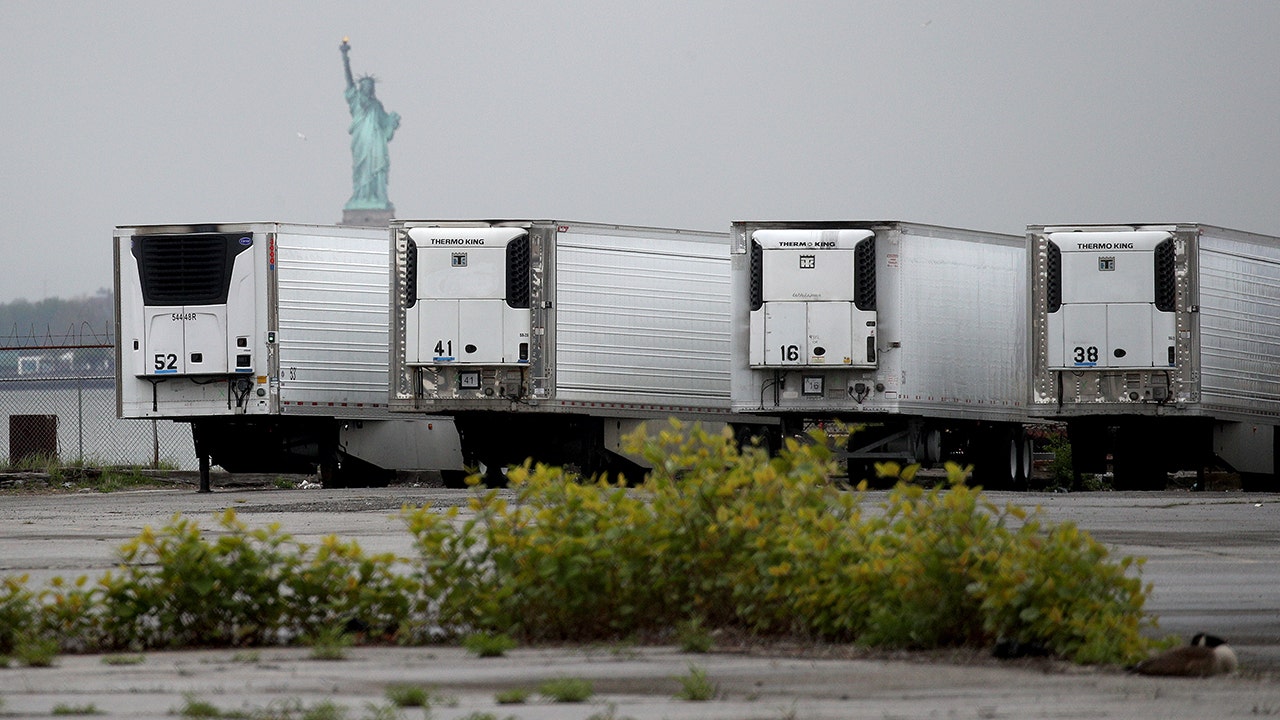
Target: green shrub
(740, 539)
(717, 537)
(17, 611)
(246, 587)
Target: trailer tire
(998, 462)
(1259, 482)
(859, 470)
(454, 479)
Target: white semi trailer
(916, 332)
(551, 340)
(1159, 345)
(271, 339)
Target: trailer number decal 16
(791, 352)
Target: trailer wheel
(454, 479)
(1138, 463)
(859, 470)
(999, 457)
(1026, 459)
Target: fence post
(80, 418)
(155, 445)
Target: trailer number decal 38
(1085, 356)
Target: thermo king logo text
(1104, 246)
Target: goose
(1206, 655)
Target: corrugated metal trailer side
(1239, 311)
(641, 319)
(330, 302)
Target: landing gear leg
(203, 456)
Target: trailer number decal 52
(1085, 356)
(166, 362)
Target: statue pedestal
(368, 218)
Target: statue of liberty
(371, 129)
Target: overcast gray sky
(686, 113)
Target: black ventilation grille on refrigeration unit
(191, 269)
(864, 270)
(518, 271)
(1053, 278)
(1166, 279)
(410, 274)
(757, 276)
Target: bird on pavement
(1206, 655)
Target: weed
(323, 710)
(409, 696)
(566, 690)
(64, 709)
(512, 696)
(693, 636)
(136, 659)
(295, 709)
(329, 643)
(389, 711)
(36, 651)
(488, 645)
(193, 707)
(247, 656)
(696, 686)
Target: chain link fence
(60, 402)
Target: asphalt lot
(1211, 557)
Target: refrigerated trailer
(1159, 346)
(271, 340)
(551, 340)
(915, 333)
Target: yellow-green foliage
(739, 539)
(176, 587)
(17, 612)
(717, 537)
